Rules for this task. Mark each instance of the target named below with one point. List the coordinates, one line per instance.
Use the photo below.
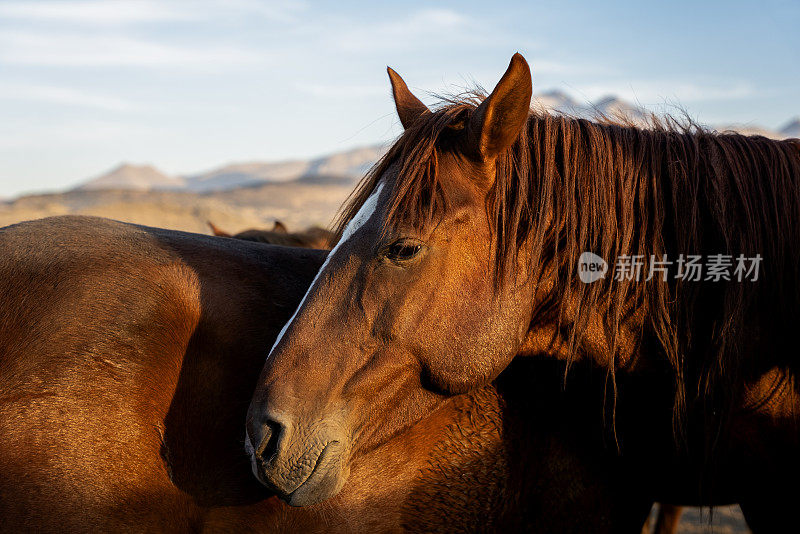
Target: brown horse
(312, 237)
(460, 251)
(128, 356)
(668, 516)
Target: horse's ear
(409, 107)
(280, 228)
(216, 231)
(497, 122)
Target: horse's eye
(403, 250)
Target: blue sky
(191, 85)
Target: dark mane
(569, 185)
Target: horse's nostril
(271, 433)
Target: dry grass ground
(296, 204)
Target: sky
(192, 85)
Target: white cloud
(419, 28)
(656, 92)
(343, 90)
(275, 10)
(64, 96)
(74, 133)
(103, 50)
(117, 12)
(105, 12)
(435, 18)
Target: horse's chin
(319, 487)
(325, 481)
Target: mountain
(616, 108)
(346, 167)
(354, 163)
(349, 166)
(608, 106)
(748, 129)
(135, 177)
(555, 100)
(239, 174)
(791, 129)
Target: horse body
(311, 237)
(128, 356)
(112, 337)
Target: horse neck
(448, 472)
(464, 478)
(553, 322)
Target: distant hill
(346, 167)
(350, 165)
(616, 108)
(791, 129)
(136, 177)
(340, 167)
(554, 100)
(239, 174)
(608, 106)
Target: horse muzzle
(304, 464)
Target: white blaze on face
(360, 219)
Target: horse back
(109, 334)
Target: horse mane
(569, 185)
